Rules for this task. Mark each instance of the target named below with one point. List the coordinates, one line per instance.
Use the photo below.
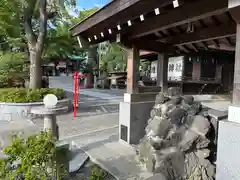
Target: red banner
(75, 102)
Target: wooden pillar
(162, 72)
(133, 70)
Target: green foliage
(97, 174)
(83, 15)
(112, 58)
(60, 42)
(33, 158)
(144, 65)
(13, 69)
(22, 95)
(14, 31)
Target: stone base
(133, 115)
(234, 113)
(228, 164)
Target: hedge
(23, 95)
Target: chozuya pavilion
(161, 26)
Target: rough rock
(174, 91)
(178, 137)
(200, 125)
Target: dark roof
(193, 26)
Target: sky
(87, 4)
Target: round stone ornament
(50, 100)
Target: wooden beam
(184, 49)
(178, 16)
(194, 47)
(149, 45)
(158, 34)
(229, 16)
(216, 43)
(234, 9)
(215, 20)
(229, 41)
(205, 46)
(202, 23)
(117, 12)
(180, 29)
(217, 32)
(83, 43)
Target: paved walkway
(103, 94)
(68, 126)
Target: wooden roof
(193, 26)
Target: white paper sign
(234, 114)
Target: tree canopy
(25, 26)
(112, 57)
(40, 29)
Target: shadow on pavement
(91, 105)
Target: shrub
(13, 69)
(97, 174)
(22, 95)
(33, 158)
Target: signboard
(175, 67)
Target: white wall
(175, 68)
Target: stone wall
(180, 139)
(22, 111)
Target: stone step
(116, 158)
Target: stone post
(162, 72)
(50, 123)
(228, 145)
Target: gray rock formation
(177, 144)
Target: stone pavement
(68, 127)
(93, 104)
(103, 94)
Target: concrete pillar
(133, 63)
(228, 146)
(162, 71)
(236, 82)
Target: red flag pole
(77, 86)
(75, 95)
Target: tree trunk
(35, 69)
(35, 43)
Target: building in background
(200, 72)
